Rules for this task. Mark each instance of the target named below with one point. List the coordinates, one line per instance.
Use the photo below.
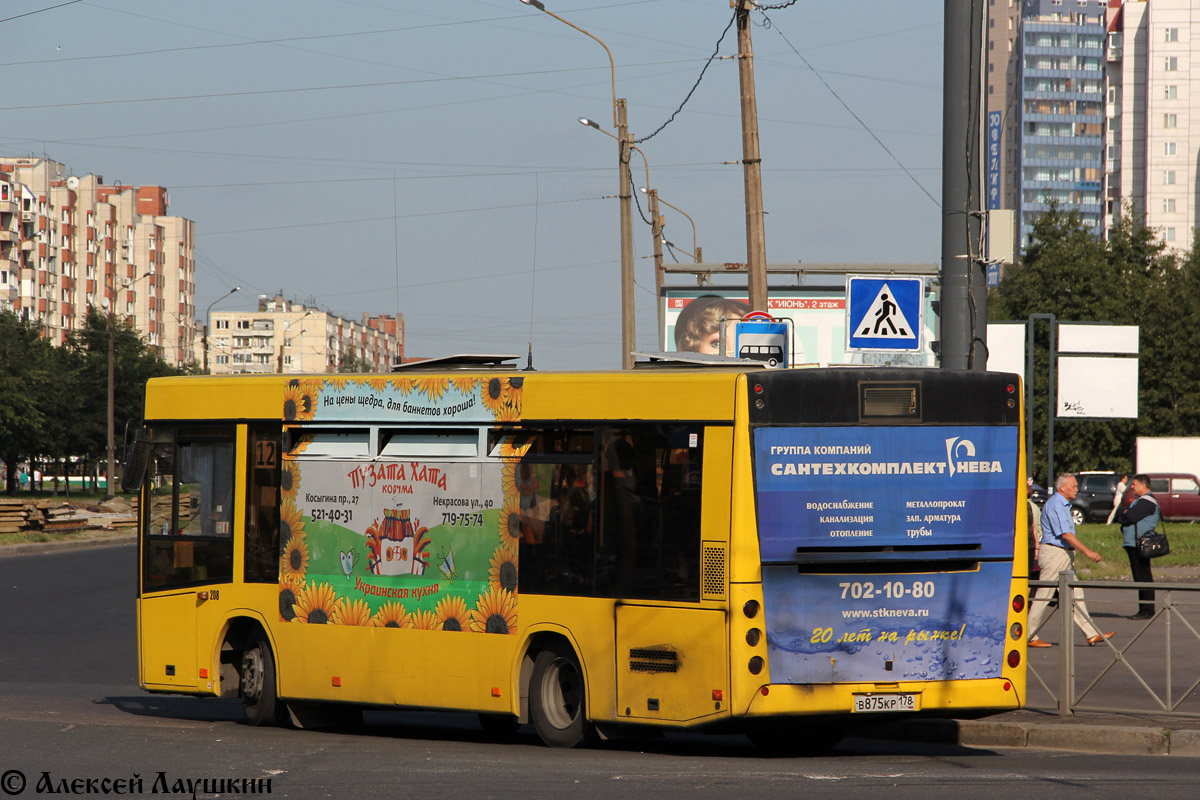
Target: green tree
(1130, 279)
(24, 376)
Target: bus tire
(260, 703)
(557, 698)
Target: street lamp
(695, 254)
(624, 142)
(232, 291)
(110, 474)
(283, 342)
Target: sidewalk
(1123, 734)
(99, 538)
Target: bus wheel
(259, 702)
(557, 702)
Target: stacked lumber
(14, 515)
(59, 517)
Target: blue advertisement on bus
(838, 487)
(897, 627)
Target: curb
(36, 548)
(1114, 739)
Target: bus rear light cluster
(1014, 658)
(1018, 603)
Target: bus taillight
(1014, 658)
(750, 609)
(1016, 631)
(1018, 603)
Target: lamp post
(111, 472)
(232, 291)
(283, 343)
(756, 247)
(624, 143)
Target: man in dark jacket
(1137, 520)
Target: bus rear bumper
(774, 700)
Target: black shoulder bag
(1154, 544)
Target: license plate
(885, 702)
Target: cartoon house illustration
(398, 546)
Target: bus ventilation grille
(644, 659)
(712, 571)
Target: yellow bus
(781, 552)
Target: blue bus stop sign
(884, 313)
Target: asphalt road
(70, 710)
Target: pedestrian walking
(1057, 556)
(1137, 520)
(1118, 498)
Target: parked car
(1038, 494)
(1095, 498)
(1177, 493)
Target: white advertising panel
(1006, 347)
(1093, 387)
(818, 318)
(1109, 339)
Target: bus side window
(650, 527)
(266, 475)
(189, 536)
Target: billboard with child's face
(693, 318)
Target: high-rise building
(1153, 77)
(1049, 59)
(283, 336)
(69, 242)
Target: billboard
(817, 315)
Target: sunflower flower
(293, 397)
(317, 605)
(495, 612)
(451, 614)
(354, 612)
(294, 562)
(465, 385)
(404, 386)
(516, 393)
(289, 590)
(510, 524)
(289, 478)
(378, 385)
(424, 620)
(392, 615)
(433, 387)
(310, 393)
(495, 394)
(503, 571)
(291, 523)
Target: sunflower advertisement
(398, 542)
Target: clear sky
(390, 155)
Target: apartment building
(285, 336)
(1054, 86)
(1153, 77)
(69, 242)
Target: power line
(40, 10)
(850, 111)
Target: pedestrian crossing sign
(884, 313)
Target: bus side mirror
(137, 459)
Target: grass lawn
(1106, 540)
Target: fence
(1150, 666)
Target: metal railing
(1180, 649)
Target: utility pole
(964, 280)
(624, 142)
(656, 232)
(756, 240)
